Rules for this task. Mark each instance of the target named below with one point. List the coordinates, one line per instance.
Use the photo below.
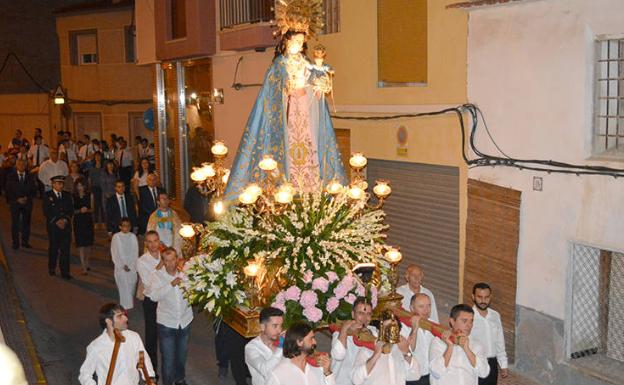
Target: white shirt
(261, 360)
(127, 159)
(421, 351)
(125, 250)
(407, 294)
(488, 331)
(44, 153)
(390, 369)
(70, 151)
(146, 265)
(459, 370)
(343, 357)
(51, 169)
(141, 180)
(173, 311)
(87, 150)
(99, 353)
(287, 373)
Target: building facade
(107, 92)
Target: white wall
(530, 70)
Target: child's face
(124, 227)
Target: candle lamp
(394, 257)
(251, 271)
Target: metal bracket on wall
(239, 86)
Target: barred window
(331, 8)
(609, 111)
(596, 314)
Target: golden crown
(305, 16)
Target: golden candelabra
(213, 177)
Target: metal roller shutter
(423, 214)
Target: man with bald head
(419, 339)
(414, 277)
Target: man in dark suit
(148, 200)
(58, 208)
(120, 205)
(20, 189)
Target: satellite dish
(148, 119)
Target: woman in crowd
(74, 174)
(95, 182)
(107, 181)
(83, 223)
(140, 176)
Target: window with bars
(596, 314)
(609, 103)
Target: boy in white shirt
(344, 349)
(125, 253)
(463, 363)
(420, 339)
(99, 352)
(263, 353)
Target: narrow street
(62, 315)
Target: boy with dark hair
(113, 316)
(263, 353)
(343, 349)
(299, 344)
(461, 363)
(488, 331)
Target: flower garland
(319, 232)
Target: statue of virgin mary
(290, 119)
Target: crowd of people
(88, 184)
(470, 352)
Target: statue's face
(294, 45)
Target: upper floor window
(240, 12)
(609, 103)
(401, 43)
(178, 19)
(83, 47)
(130, 43)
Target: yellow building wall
(27, 112)
(112, 78)
(353, 54)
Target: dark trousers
(151, 330)
(98, 207)
(173, 351)
(221, 341)
(20, 215)
(125, 174)
(236, 353)
(59, 242)
(492, 378)
(423, 380)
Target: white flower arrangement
(318, 232)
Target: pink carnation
(280, 306)
(313, 314)
(374, 296)
(307, 276)
(332, 304)
(340, 291)
(320, 284)
(280, 297)
(350, 298)
(331, 276)
(292, 294)
(308, 299)
(348, 282)
(360, 291)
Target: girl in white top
(125, 253)
(140, 176)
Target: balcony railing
(240, 12)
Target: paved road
(62, 315)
